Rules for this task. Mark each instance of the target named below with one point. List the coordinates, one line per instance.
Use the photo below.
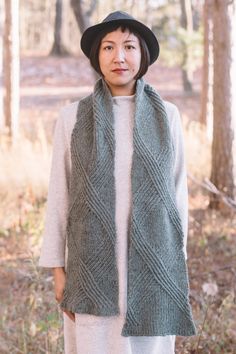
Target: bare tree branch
(92, 7)
(208, 185)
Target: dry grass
(197, 149)
(24, 162)
(25, 167)
(30, 322)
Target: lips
(119, 70)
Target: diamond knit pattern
(157, 298)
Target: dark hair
(94, 51)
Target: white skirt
(94, 335)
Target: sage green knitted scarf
(157, 298)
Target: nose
(119, 55)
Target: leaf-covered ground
(30, 319)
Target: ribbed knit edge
(96, 312)
(154, 331)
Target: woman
(117, 204)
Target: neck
(121, 90)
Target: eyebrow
(127, 41)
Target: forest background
(42, 69)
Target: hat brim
(149, 37)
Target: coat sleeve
(53, 249)
(180, 172)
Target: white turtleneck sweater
(92, 334)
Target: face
(119, 59)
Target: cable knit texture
(157, 299)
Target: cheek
(138, 62)
(137, 59)
(103, 58)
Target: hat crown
(118, 15)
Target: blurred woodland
(42, 69)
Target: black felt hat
(122, 18)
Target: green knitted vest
(157, 298)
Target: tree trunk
(1, 67)
(132, 7)
(223, 135)
(11, 66)
(58, 48)
(149, 13)
(82, 17)
(186, 22)
(206, 64)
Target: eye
(130, 47)
(107, 48)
